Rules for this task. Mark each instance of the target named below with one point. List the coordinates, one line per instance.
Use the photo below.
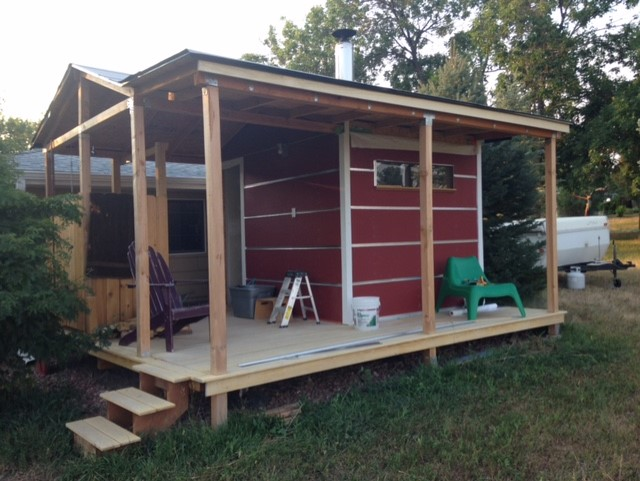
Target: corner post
(141, 229)
(215, 237)
(553, 303)
(426, 230)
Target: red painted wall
(392, 217)
(307, 180)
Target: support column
(141, 229)
(426, 231)
(116, 179)
(50, 174)
(84, 147)
(215, 237)
(162, 202)
(553, 303)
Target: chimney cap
(344, 34)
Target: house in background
(367, 189)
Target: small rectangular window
(186, 226)
(406, 175)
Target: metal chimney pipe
(344, 53)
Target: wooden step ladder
(291, 290)
(157, 405)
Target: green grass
(530, 408)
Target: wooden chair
(465, 278)
(167, 309)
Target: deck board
(259, 353)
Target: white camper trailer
(581, 240)
(582, 244)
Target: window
(186, 226)
(406, 175)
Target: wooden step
(98, 435)
(136, 401)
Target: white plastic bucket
(575, 279)
(365, 312)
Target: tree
(396, 40)
(15, 134)
(311, 48)
(510, 201)
(35, 291)
(457, 79)
(548, 49)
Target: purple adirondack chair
(167, 309)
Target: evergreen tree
(510, 201)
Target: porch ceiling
(252, 94)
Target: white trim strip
(410, 207)
(387, 281)
(292, 248)
(289, 213)
(374, 245)
(289, 179)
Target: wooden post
(141, 233)
(116, 182)
(84, 147)
(426, 230)
(553, 303)
(50, 174)
(215, 236)
(162, 203)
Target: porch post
(84, 147)
(49, 173)
(215, 245)
(553, 303)
(426, 229)
(162, 204)
(141, 229)
(116, 178)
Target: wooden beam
(103, 82)
(116, 181)
(88, 124)
(426, 229)
(84, 147)
(162, 203)
(309, 97)
(426, 224)
(553, 303)
(491, 125)
(141, 231)
(50, 174)
(215, 236)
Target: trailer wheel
(617, 282)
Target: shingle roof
(32, 161)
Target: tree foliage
(458, 79)
(396, 40)
(35, 291)
(510, 201)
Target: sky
(40, 38)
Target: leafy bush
(36, 293)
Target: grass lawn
(529, 407)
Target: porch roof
(255, 94)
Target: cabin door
(233, 223)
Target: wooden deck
(259, 353)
